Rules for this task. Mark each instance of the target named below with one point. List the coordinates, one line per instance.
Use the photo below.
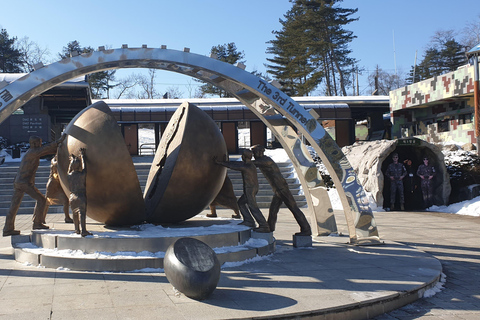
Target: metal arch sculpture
(277, 110)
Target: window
(443, 125)
(465, 118)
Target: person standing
(396, 172)
(426, 173)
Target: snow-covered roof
(474, 50)
(10, 77)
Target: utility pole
(414, 67)
(358, 86)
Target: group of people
(25, 183)
(248, 203)
(396, 172)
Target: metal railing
(146, 149)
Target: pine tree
(10, 57)
(100, 82)
(443, 55)
(313, 47)
(226, 53)
(292, 64)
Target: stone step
(7, 176)
(118, 251)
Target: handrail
(146, 147)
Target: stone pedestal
(263, 235)
(302, 241)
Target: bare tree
(125, 87)
(32, 53)
(173, 93)
(471, 34)
(147, 85)
(382, 82)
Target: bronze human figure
(282, 193)
(55, 193)
(225, 198)
(247, 202)
(25, 183)
(77, 181)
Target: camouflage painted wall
(456, 83)
(427, 111)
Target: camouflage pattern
(398, 172)
(410, 117)
(427, 184)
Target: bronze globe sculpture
(183, 178)
(114, 196)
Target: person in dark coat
(396, 172)
(426, 173)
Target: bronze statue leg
(38, 212)
(291, 204)
(83, 221)
(213, 211)
(76, 219)
(64, 200)
(247, 217)
(257, 214)
(273, 211)
(45, 210)
(9, 228)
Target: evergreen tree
(312, 46)
(10, 57)
(226, 53)
(453, 55)
(100, 82)
(443, 55)
(291, 64)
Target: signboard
(408, 142)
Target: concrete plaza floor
(329, 281)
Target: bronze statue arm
(234, 165)
(82, 157)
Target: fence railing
(146, 149)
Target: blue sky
(201, 24)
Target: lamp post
(475, 52)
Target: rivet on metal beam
(276, 84)
(38, 65)
(241, 66)
(163, 46)
(213, 56)
(186, 49)
(144, 46)
(101, 48)
(124, 46)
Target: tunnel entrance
(411, 156)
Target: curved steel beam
(278, 111)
